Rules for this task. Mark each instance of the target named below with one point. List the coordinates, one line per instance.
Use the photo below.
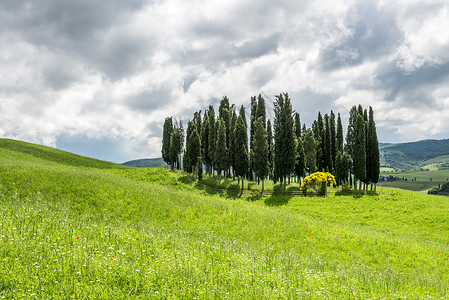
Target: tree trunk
(261, 192)
(289, 179)
(285, 183)
(238, 180)
(243, 183)
(371, 186)
(219, 178)
(375, 185)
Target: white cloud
(114, 70)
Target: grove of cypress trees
(310, 148)
(327, 145)
(194, 150)
(251, 133)
(231, 148)
(333, 139)
(205, 140)
(339, 135)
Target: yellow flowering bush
(318, 180)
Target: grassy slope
(121, 232)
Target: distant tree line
(225, 146)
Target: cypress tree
(211, 140)
(310, 149)
(327, 145)
(224, 113)
(175, 147)
(251, 134)
(300, 165)
(360, 151)
(333, 139)
(194, 149)
(221, 151)
(339, 136)
(231, 149)
(166, 137)
(321, 152)
(350, 140)
(374, 160)
(205, 140)
(188, 153)
(297, 126)
(260, 150)
(241, 146)
(261, 111)
(284, 137)
(270, 148)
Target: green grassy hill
(414, 156)
(73, 227)
(146, 163)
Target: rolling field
(72, 227)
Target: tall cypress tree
(327, 145)
(251, 134)
(211, 140)
(224, 113)
(350, 140)
(231, 149)
(270, 148)
(194, 149)
(297, 126)
(374, 160)
(285, 150)
(261, 111)
(241, 146)
(205, 140)
(260, 150)
(333, 139)
(166, 137)
(310, 148)
(360, 151)
(339, 136)
(300, 165)
(221, 151)
(321, 152)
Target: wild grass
(83, 232)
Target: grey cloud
(148, 101)
(374, 34)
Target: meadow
(72, 227)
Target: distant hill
(426, 154)
(146, 163)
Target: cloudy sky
(98, 77)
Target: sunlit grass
(77, 232)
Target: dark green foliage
(193, 151)
(251, 133)
(320, 137)
(231, 149)
(261, 110)
(175, 148)
(310, 149)
(297, 126)
(373, 145)
(350, 135)
(359, 150)
(339, 135)
(342, 168)
(259, 153)
(441, 190)
(200, 170)
(211, 140)
(328, 163)
(270, 147)
(166, 137)
(333, 139)
(241, 146)
(205, 139)
(284, 136)
(221, 150)
(300, 165)
(224, 112)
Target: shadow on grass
(356, 193)
(277, 200)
